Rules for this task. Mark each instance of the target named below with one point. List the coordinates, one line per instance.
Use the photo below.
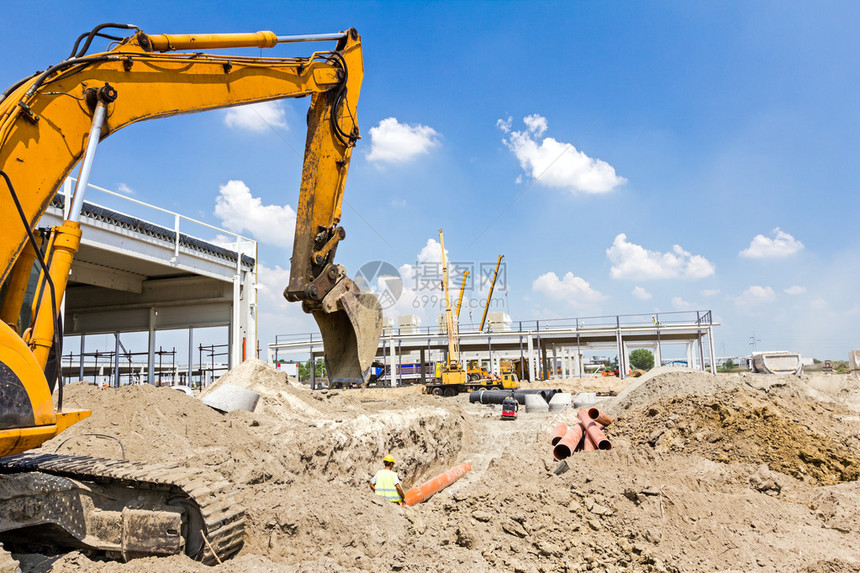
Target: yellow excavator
(55, 119)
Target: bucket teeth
(350, 323)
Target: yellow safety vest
(385, 486)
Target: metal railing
(699, 318)
(237, 242)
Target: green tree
(305, 369)
(642, 359)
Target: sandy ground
(707, 473)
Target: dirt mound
(663, 382)
(302, 461)
(742, 425)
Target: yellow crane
(490, 296)
(460, 300)
(452, 376)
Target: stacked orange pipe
(586, 435)
(593, 431)
(568, 444)
(599, 417)
(560, 431)
(424, 491)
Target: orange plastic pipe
(599, 417)
(438, 483)
(593, 431)
(588, 444)
(567, 445)
(560, 431)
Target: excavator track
(217, 522)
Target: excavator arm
(55, 119)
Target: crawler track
(214, 516)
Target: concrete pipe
(593, 431)
(568, 443)
(535, 403)
(560, 401)
(599, 417)
(424, 491)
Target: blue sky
(624, 157)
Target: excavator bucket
(350, 323)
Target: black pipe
(498, 396)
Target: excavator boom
(55, 119)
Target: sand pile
(301, 461)
(742, 425)
(666, 381)
(686, 503)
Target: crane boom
(453, 350)
(460, 300)
(490, 296)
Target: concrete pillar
(191, 354)
(423, 360)
(562, 362)
(711, 350)
(531, 359)
(313, 371)
(658, 355)
(116, 360)
(544, 360)
(235, 355)
(554, 369)
(701, 351)
(83, 337)
(690, 359)
(150, 352)
(619, 345)
(384, 355)
(394, 372)
(399, 362)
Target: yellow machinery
(452, 377)
(54, 119)
(490, 296)
(460, 300)
(508, 379)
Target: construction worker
(386, 483)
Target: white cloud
(240, 212)
(398, 202)
(431, 252)
(711, 292)
(779, 244)
(571, 289)
(818, 304)
(641, 293)
(505, 124)
(681, 304)
(554, 163)
(125, 189)
(395, 142)
(632, 261)
(256, 117)
(756, 295)
(795, 290)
